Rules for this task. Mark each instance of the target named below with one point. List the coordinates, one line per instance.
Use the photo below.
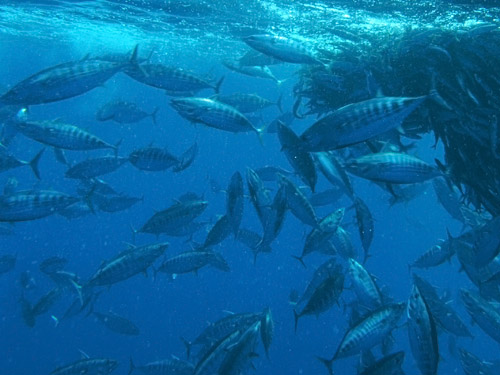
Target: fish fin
(188, 345)
(218, 84)
(133, 55)
(84, 355)
(300, 259)
(34, 163)
(153, 115)
(296, 319)
(278, 103)
(131, 366)
(328, 363)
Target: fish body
(176, 216)
(246, 103)
(117, 323)
(95, 167)
(123, 113)
(283, 49)
(219, 232)
(65, 81)
(186, 159)
(88, 366)
(358, 122)
(422, 334)
(300, 160)
(63, 136)
(168, 78)
(192, 261)
(392, 168)
(127, 264)
(298, 203)
(388, 365)
(32, 205)
(152, 159)
(213, 114)
(364, 286)
(259, 195)
(235, 202)
(256, 71)
(164, 367)
(483, 313)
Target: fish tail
(154, 114)
(278, 103)
(133, 55)
(218, 84)
(188, 345)
(328, 363)
(34, 163)
(300, 259)
(131, 366)
(260, 134)
(435, 96)
(296, 318)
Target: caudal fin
(131, 367)
(218, 84)
(153, 115)
(328, 363)
(34, 163)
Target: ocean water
(199, 35)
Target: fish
(152, 159)
(363, 284)
(443, 314)
(115, 203)
(283, 49)
(186, 159)
(286, 118)
(170, 79)
(214, 114)
(267, 329)
(472, 365)
(325, 197)
(298, 203)
(367, 333)
(319, 238)
(259, 195)
(192, 261)
(8, 162)
(32, 205)
(166, 366)
(247, 103)
(52, 265)
(235, 202)
(443, 251)
(358, 122)
(63, 136)
(180, 214)
(95, 167)
(65, 80)
(483, 313)
(117, 323)
(301, 161)
(219, 232)
(270, 173)
(330, 166)
(87, 366)
(274, 220)
(392, 168)
(388, 365)
(124, 112)
(257, 71)
(365, 223)
(422, 334)
(127, 264)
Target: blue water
(36, 35)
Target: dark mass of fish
(437, 81)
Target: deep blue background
(163, 310)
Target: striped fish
(63, 136)
(214, 114)
(422, 334)
(298, 203)
(152, 159)
(95, 167)
(176, 216)
(87, 366)
(126, 264)
(246, 103)
(367, 333)
(483, 313)
(283, 49)
(392, 168)
(364, 286)
(358, 122)
(66, 80)
(300, 160)
(32, 205)
(8, 162)
(171, 79)
(192, 261)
